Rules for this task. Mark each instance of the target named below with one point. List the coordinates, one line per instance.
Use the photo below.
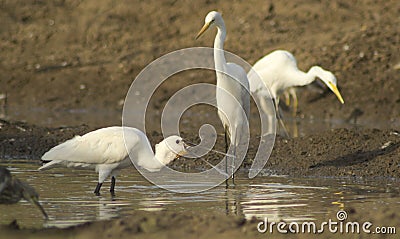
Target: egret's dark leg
(112, 186)
(234, 155)
(97, 190)
(226, 157)
(226, 202)
(226, 141)
(279, 116)
(233, 173)
(233, 165)
(285, 131)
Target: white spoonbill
(106, 151)
(278, 71)
(232, 80)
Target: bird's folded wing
(97, 148)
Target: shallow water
(67, 196)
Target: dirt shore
(334, 153)
(65, 55)
(61, 55)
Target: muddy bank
(333, 153)
(338, 153)
(20, 140)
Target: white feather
(106, 151)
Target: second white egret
(278, 71)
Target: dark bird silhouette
(12, 190)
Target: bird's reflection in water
(102, 208)
(154, 204)
(107, 209)
(274, 201)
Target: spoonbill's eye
(177, 141)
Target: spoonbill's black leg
(112, 186)
(97, 190)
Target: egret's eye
(177, 141)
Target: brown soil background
(61, 55)
(50, 50)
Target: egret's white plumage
(232, 80)
(278, 71)
(108, 149)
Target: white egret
(106, 151)
(232, 80)
(278, 71)
(12, 190)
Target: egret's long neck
(219, 56)
(306, 78)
